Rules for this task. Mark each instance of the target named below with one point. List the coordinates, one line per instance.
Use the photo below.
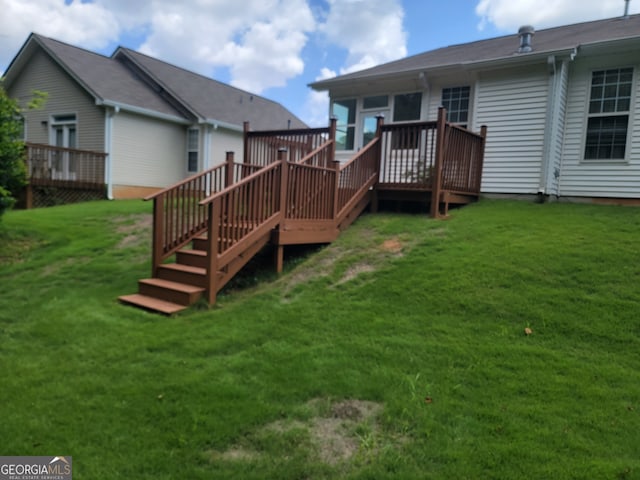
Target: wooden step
(194, 258)
(174, 292)
(200, 243)
(152, 304)
(178, 273)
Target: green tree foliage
(13, 172)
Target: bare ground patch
(332, 430)
(136, 230)
(370, 254)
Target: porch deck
(289, 190)
(63, 175)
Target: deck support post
(212, 251)
(229, 159)
(28, 197)
(333, 125)
(158, 233)
(374, 192)
(436, 181)
(483, 134)
(284, 184)
(245, 143)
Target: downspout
(109, 113)
(550, 128)
(554, 131)
(206, 157)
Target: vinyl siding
(581, 178)
(513, 105)
(64, 96)
(224, 141)
(147, 152)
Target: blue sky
(277, 47)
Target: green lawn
(397, 352)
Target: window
(379, 101)
(345, 113)
(406, 107)
(608, 122)
(456, 101)
(63, 133)
(193, 135)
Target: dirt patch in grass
(334, 430)
(335, 436)
(16, 248)
(135, 228)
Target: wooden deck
(289, 190)
(63, 175)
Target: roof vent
(526, 34)
(626, 9)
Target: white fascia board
(143, 111)
(228, 126)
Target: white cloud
(90, 25)
(259, 41)
(509, 15)
(317, 104)
(370, 30)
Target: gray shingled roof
(215, 100)
(505, 48)
(105, 78)
(109, 80)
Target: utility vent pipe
(526, 34)
(626, 8)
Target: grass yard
(399, 351)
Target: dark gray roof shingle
(105, 78)
(215, 100)
(186, 95)
(502, 48)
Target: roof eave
(143, 111)
(218, 123)
(512, 60)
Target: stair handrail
(177, 217)
(328, 146)
(237, 215)
(361, 171)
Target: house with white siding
(562, 106)
(157, 123)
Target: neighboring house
(157, 123)
(562, 105)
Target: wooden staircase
(290, 191)
(177, 285)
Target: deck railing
(261, 148)
(48, 165)
(240, 213)
(177, 213)
(407, 155)
(357, 176)
(311, 183)
(463, 158)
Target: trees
(13, 172)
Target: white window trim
(197, 150)
(587, 115)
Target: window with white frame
(345, 113)
(609, 109)
(407, 107)
(63, 133)
(193, 141)
(456, 101)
